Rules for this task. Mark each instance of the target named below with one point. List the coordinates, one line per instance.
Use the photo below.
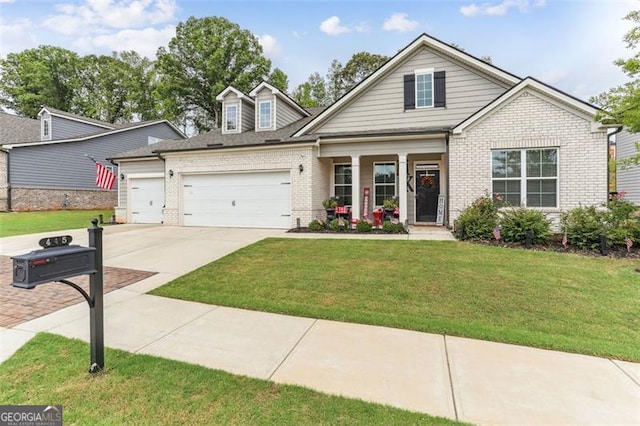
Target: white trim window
(424, 88)
(45, 131)
(384, 182)
(264, 115)
(342, 183)
(231, 118)
(534, 185)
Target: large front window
(534, 185)
(264, 115)
(424, 89)
(384, 177)
(342, 183)
(231, 117)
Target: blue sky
(568, 44)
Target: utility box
(52, 264)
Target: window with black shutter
(409, 91)
(424, 89)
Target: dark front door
(427, 191)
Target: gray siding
(285, 114)
(64, 165)
(248, 117)
(62, 128)
(264, 95)
(628, 180)
(382, 106)
(136, 167)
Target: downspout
(446, 154)
(8, 181)
(618, 130)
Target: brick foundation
(30, 199)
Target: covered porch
(412, 169)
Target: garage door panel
(260, 199)
(147, 200)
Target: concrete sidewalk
(469, 380)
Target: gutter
(273, 144)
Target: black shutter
(440, 99)
(409, 91)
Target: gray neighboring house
(628, 179)
(433, 127)
(44, 163)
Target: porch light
(121, 176)
(170, 173)
(301, 168)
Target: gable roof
(559, 97)
(14, 128)
(78, 118)
(281, 95)
(238, 93)
(89, 136)
(423, 40)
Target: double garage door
(248, 200)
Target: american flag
(565, 241)
(496, 233)
(104, 177)
(629, 242)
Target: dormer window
(46, 129)
(264, 115)
(424, 88)
(231, 119)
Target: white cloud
(270, 45)
(16, 35)
(500, 9)
(93, 16)
(332, 27)
(362, 27)
(400, 22)
(145, 41)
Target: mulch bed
(18, 305)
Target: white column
(355, 187)
(402, 186)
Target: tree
(45, 75)
(359, 67)
(205, 56)
(621, 105)
(312, 93)
(279, 80)
(485, 58)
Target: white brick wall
(531, 121)
(304, 203)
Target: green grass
(19, 223)
(141, 389)
(549, 300)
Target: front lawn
(19, 223)
(141, 389)
(550, 300)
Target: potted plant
(389, 205)
(330, 205)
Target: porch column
(355, 187)
(402, 187)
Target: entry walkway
(470, 380)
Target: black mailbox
(52, 264)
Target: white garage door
(147, 200)
(248, 200)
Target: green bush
(478, 220)
(363, 226)
(339, 224)
(392, 228)
(515, 222)
(316, 225)
(621, 210)
(584, 225)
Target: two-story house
(45, 164)
(434, 127)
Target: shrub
(584, 225)
(316, 225)
(363, 226)
(516, 221)
(389, 203)
(620, 210)
(479, 219)
(329, 203)
(339, 224)
(392, 228)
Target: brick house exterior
(433, 128)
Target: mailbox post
(57, 261)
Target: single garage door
(147, 200)
(248, 200)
